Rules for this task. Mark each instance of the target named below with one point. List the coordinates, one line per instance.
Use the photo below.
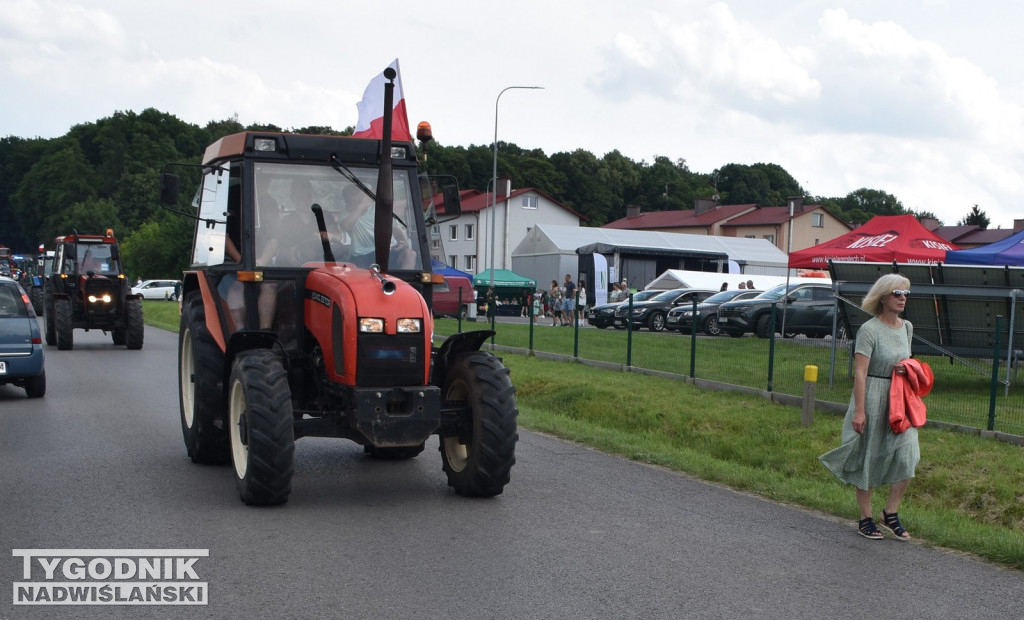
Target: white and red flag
(371, 110)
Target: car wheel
(711, 327)
(657, 322)
(478, 460)
(35, 387)
(762, 329)
(262, 428)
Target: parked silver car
(158, 289)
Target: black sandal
(891, 522)
(866, 528)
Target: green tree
(60, 178)
(160, 248)
(976, 217)
(89, 217)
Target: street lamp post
(494, 179)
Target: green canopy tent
(508, 285)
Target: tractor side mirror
(452, 201)
(169, 188)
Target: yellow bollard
(810, 386)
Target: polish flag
(371, 110)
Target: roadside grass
(968, 494)
(162, 314)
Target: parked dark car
(809, 311)
(652, 312)
(604, 315)
(21, 344)
(681, 318)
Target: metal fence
(976, 393)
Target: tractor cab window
(286, 231)
(96, 258)
(212, 202)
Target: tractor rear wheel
(64, 324)
(262, 429)
(200, 387)
(135, 329)
(49, 326)
(478, 462)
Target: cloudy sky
(923, 99)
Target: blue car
(21, 343)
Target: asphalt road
(99, 463)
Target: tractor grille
(97, 289)
(384, 360)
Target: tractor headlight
(409, 326)
(105, 298)
(371, 326)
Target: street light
(494, 178)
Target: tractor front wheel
(479, 460)
(262, 429)
(135, 329)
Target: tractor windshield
(286, 233)
(96, 258)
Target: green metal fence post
(771, 348)
(693, 340)
(629, 332)
(995, 375)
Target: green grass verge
(968, 494)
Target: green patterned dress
(876, 457)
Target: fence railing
(968, 392)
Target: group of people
(749, 284)
(562, 302)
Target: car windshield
(724, 296)
(773, 293)
(667, 296)
(11, 303)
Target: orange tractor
(307, 312)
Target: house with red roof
(812, 224)
(465, 242)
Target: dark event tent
(1009, 251)
(882, 239)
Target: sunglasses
(898, 294)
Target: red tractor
(85, 288)
(307, 312)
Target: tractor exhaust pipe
(385, 285)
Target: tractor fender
(452, 347)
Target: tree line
(106, 174)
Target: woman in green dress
(871, 455)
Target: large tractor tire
(63, 321)
(200, 387)
(393, 454)
(135, 328)
(479, 462)
(118, 335)
(49, 326)
(262, 429)
(37, 300)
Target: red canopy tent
(883, 239)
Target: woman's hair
(885, 285)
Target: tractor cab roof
(80, 238)
(307, 148)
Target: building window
(529, 202)
(469, 232)
(453, 261)
(770, 238)
(453, 232)
(470, 262)
(818, 220)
